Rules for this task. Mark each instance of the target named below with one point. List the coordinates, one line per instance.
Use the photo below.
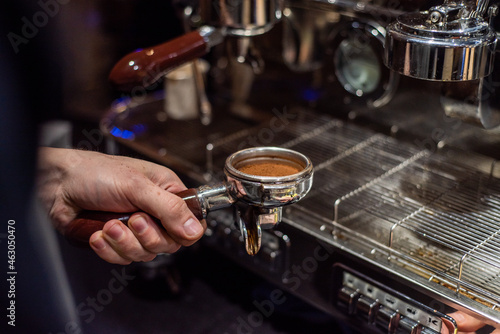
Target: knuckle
(151, 243)
(176, 204)
(128, 249)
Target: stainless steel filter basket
(269, 191)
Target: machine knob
(408, 326)
(367, 308)
(387, 319)
(347, 298)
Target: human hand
(70, 181)
(467, 324)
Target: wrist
(52, 169)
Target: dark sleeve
(29, 93)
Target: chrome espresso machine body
(395, 104)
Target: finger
(176, 218)
(179, 222)
(447, 328)
(102, 248)
(466, 323)
(152, 237)
(123, 241)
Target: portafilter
(258, 182)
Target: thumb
(178, 220)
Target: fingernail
(99, 243)
(192, 227)
(139, 224)
(115, 232)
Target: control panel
(390, 313)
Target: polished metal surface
(269, 191)
(214, 197)
(434, 215)
(431, 46)
(472, 101)
(268, 218)
(449, 42)
(259, 198)
(243, 17)
(211, 35)
(304, 28)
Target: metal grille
(437, 214)
(443, 215)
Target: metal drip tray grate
(436, 214)
(464, 220)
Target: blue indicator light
(125, 134)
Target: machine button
(367, 308)
(427, 330)
(347, 298)
(387, 319)
(408, 326)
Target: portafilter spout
(242, 18)
(259, 181)
(449, 42)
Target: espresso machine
(395, 104)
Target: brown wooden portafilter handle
(144, 67)
(86, 223)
